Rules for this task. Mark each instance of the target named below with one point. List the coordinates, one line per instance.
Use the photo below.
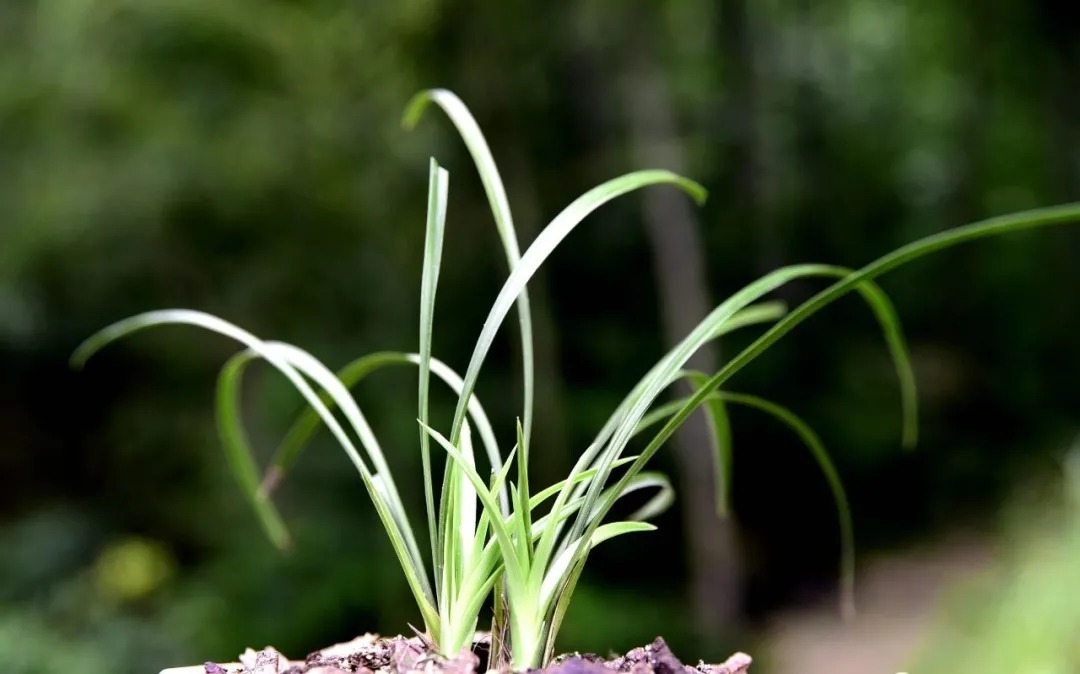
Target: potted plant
(495, 535)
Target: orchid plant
(492, 536)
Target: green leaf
(611, 442)
(992, 227)
(817, 449)
(474, 140)
(562, 603)
(550, 534)
(522, 503)
(720, 442)
(755, 314)
(751, 315)
(291, 362)
(538, 252)
(1043, 217)
(238, 453)
(660, 377)
(498, 485)
(433, 244)
(889, 323)
(512, 562)
(821, 456)
(543, 495)
(466, 522)
(558, 572)
(308, 421)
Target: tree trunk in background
(679, 268)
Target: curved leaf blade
(538, 252)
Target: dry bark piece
(736, 664)
(371, 654)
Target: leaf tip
(695, 189)
(700, 194)
(414, 109)
(77, 361)
(83, 353)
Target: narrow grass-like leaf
(992, 227)
(720, 442)
(659, 378)
(876, 299)
(517, 526)
(754, 314)
(626, 418)
(498, 486)
(545, 243)
(291, 362)
(889, 322)
(238, 450)
(1043, 217)
(521, 573)
(467, 517)
(478, 148)
(558, 612)
(545, 547)
(462, 514)
(512, 562)
(433, 245)
(539, 497)
(490, 549)
(557, 573)
(308, 421)
(514, 565)
(660, 501)
(614, 437)
(821, 456)
(522, 506)
(817, 450)
(750, 315)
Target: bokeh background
(246, 158)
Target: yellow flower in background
(131, 569)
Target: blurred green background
(246, 158)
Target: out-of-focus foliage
(245, 158)
(1024, 615)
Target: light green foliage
(1021, 615)
(487, 531)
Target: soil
(371, 654)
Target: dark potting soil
(371, 654)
